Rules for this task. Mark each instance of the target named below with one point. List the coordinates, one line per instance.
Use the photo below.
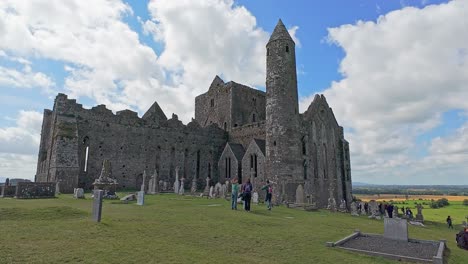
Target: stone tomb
(394, 244)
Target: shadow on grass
(46, 213)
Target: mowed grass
(184, 229)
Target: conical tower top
(280, 32)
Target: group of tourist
(246, 194)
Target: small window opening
(212, 102)
(287, 48)
(268, 51)
(253, 118)
(225, 126)
(251, 161)
(274, 143)
(235, 125)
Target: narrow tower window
(305, 170)
(253, 118)
(287, 48)
(225, 126)
(86, 159)
(212, 102)
(268, 51)
(256, 165)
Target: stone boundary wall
(7, 191)
(31, 190)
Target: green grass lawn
(176, 229)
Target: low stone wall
(31, 190)
(7, 191)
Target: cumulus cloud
(400, 73)
(24, 137)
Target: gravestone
(300, 195)
(193, 189)
(354, 209)
(419, 216)
(211, 192)
(182, 187)
(141, 198)
(373, 209)
(57, 188)
(126, 198)
(176, 182)
(153, 185)
(363, 209)
(206, 191)
(217, 190)
(255, 197)
(143, 184)
(97, 205)
(164, 184)
(395, 228)
(331, 204)
(343, 208)
(223, 191)
(78, 193)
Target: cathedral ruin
(238, 132)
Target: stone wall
(7, 191)
(324, 155)
(229, 105)
(244, 134)
(132, 144)
(31, 190)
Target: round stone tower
(283, 156)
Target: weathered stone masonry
(238, 131)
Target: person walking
(390, 210)
(449, 222)
(234, 194)
(269, 191)
(247, 194)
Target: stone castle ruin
(238, 131)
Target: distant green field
(175, 229)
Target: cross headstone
(396, 228)
(97, 205)
(141, 198)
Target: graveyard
(172, 228)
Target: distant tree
(465, 202)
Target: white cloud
(24, 137)
(106, 61)
(204, 38)
(400, 74)
(17, 166)
(292, 31)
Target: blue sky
(394, 72)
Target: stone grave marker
(255, 197)
(395, 228)
(78, 193)
(141, 198)
(299, 195)
(97, 205)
